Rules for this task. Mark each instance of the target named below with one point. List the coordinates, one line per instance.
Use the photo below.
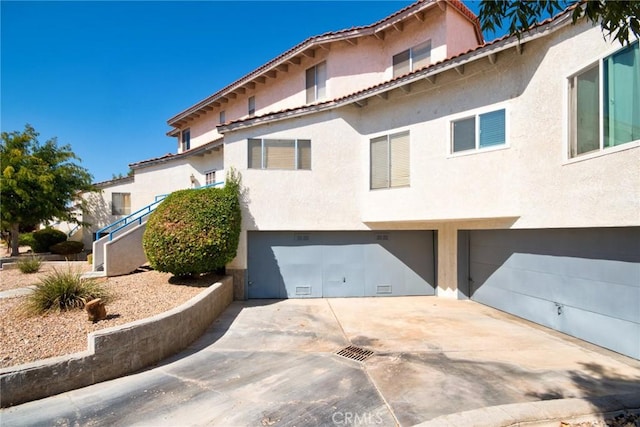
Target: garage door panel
(593, 275)
(484, 274)
(340, 264)
(396, 271)
(302, 280)
(597, 270)
(597, 329)
(534, 309)
(343, 281)
(558, 286)
(415, 284)
(384, 277)
(485, 254)
(592, 296)
(265, 280)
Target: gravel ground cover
(623, 420)
(145, 293)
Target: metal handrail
(138, 215)
(69, 234)
(122, 222)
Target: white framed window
(604, 103)
(279, 154)
(210, 177)
(185, 139)
(412, 59)
(316, 84)
(223, 117)
(120, 203)
(251, 106)
(390, 162)
(479, 131)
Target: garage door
(583, 282)
(340, 264)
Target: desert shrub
(195, 231)
(26, 239)
(68, 247)
(30, 264)
(45, 238)
(64, 290)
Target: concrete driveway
(267, 363)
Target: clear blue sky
(105, 76)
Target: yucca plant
(30, 264)
(64, 290)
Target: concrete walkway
(274, 363)
(12, 293)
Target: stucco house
(410, 157)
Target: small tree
(617, 18)
(38, 182)
(195, 231)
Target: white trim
(213, 171)
(593, 154)
(476, 113)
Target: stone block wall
(117, 351)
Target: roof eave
(311, 43)
(197, 151)
(481, 52)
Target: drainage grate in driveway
(355, 353)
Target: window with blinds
(279, 154)
(479, 131)
(120, 203)
(390, 163)
(412, 59)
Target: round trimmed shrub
(45, 238)
(195, 231)
(68, 247)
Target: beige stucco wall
(163, 178)
(98, 211)
(203, 130)
(324, 198)
(460, 35)
(529, 183)
(149, 182)
(531, 178)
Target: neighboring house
(410, 158)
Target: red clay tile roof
(324, 38)
(170, 156)
(559, 19)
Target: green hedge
(195, 231)
(45, 238)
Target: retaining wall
(117, 351)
